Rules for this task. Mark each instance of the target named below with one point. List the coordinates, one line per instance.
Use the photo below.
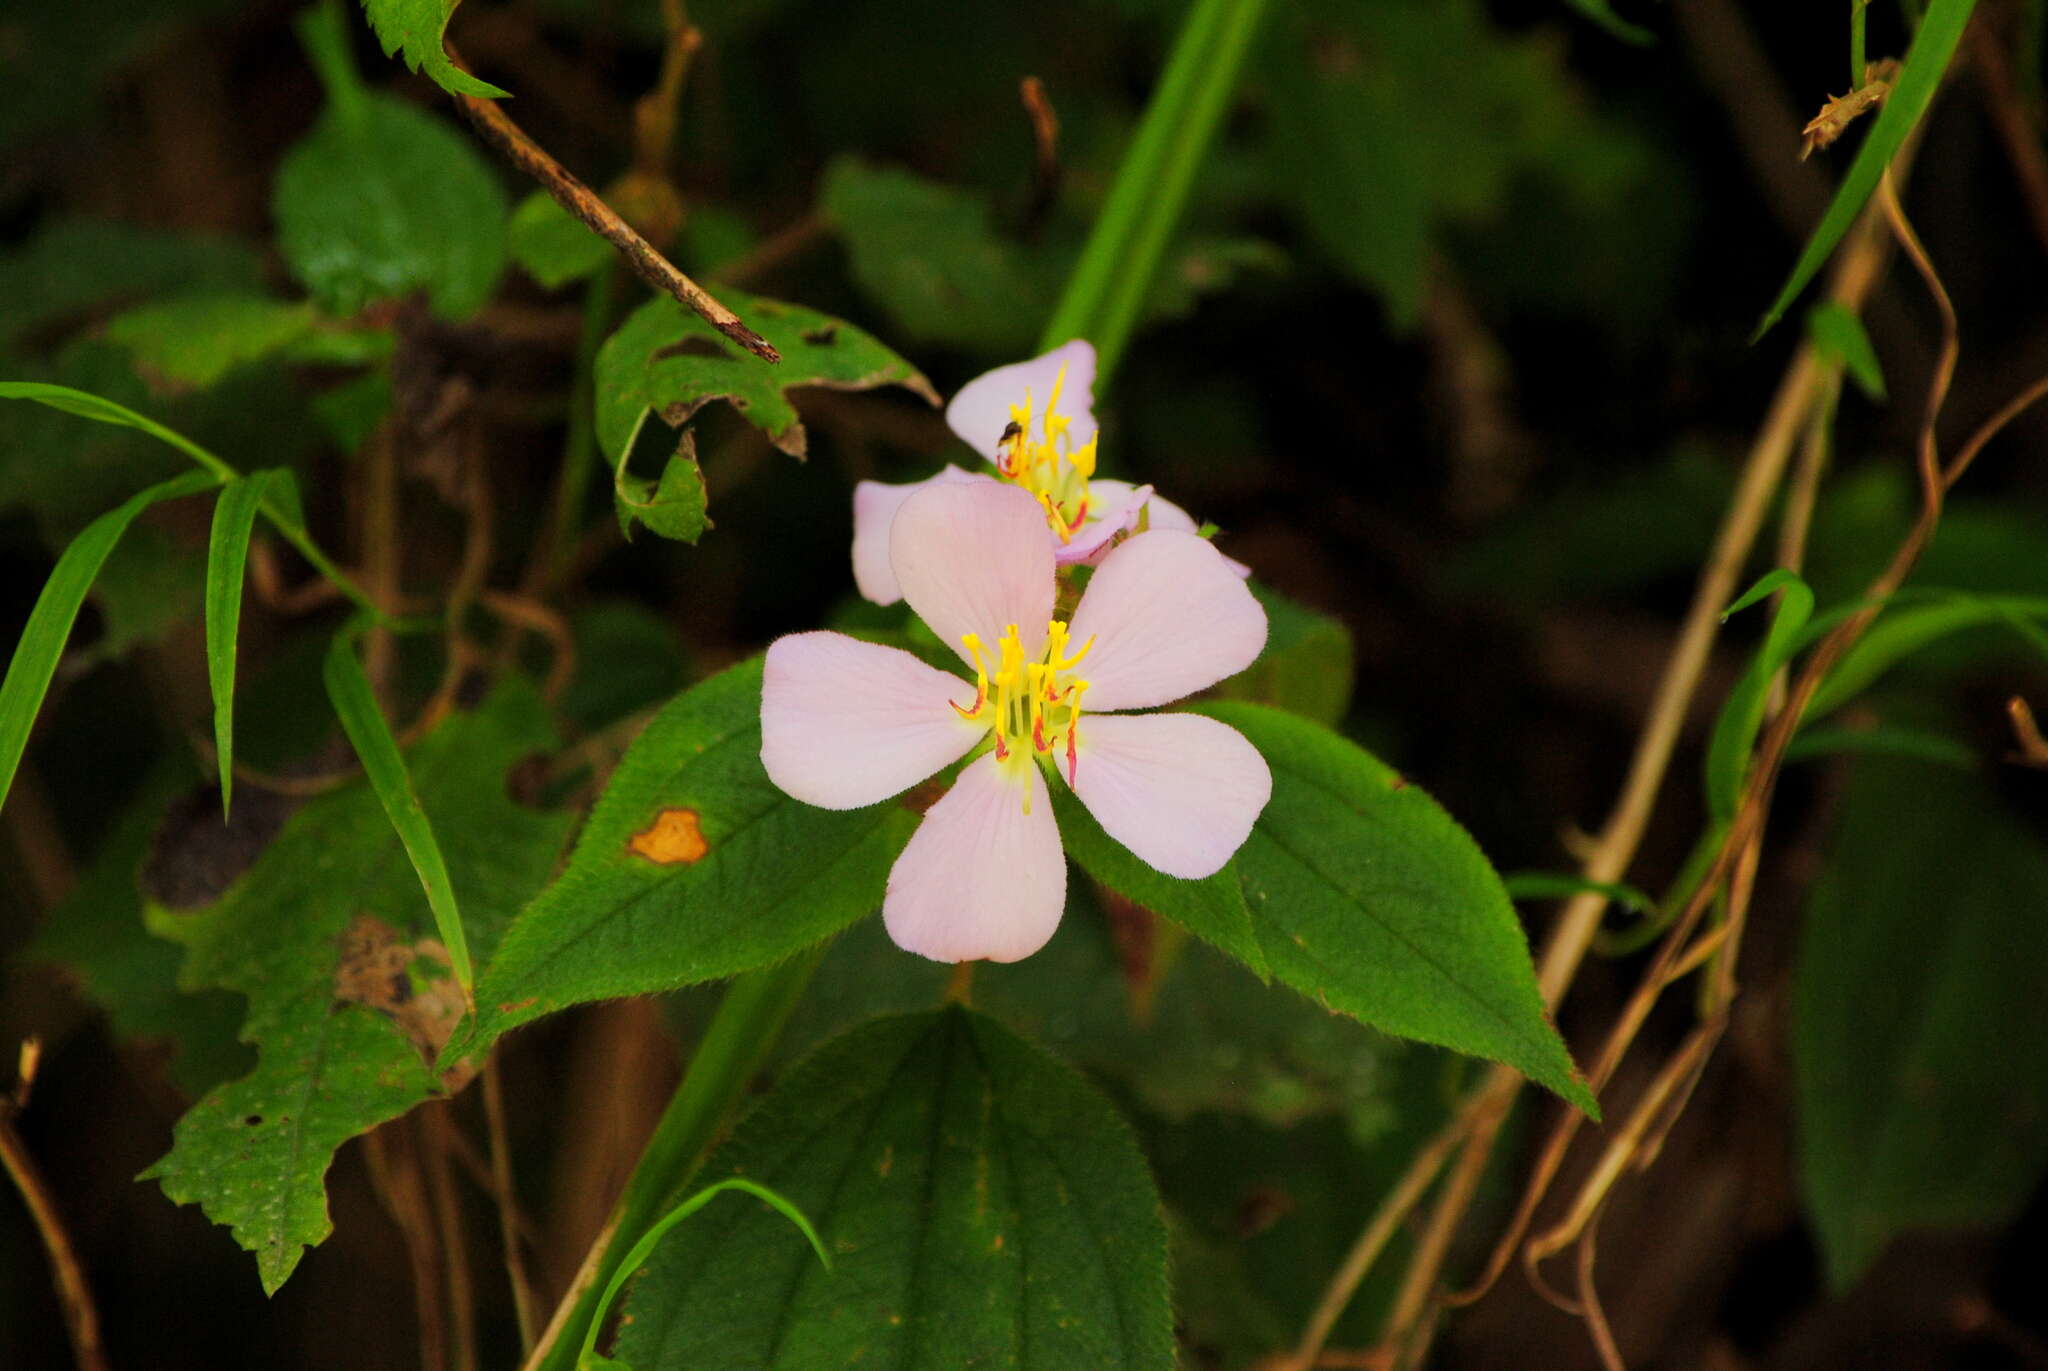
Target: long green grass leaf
(1903, 632)
(56, 609)
(282, 512)
(356, 705)
(1742, 717)
(1919, 76)
(1114, 275)
(234, 516)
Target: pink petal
(874, 508)
(975, 557)
(1160, 513)
(846, 723)
(1107, 518)
(1168, 617)
(1180, 790)
(981, 878)
(981, 410)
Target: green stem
(741, 1034)
(1111, 281)
(1856, 48)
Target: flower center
(1033, 707)
(1046, 462)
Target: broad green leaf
(98, 938)
(1371, 900)
(552, 245)
(983, 1205)
(194, 340)
(74, 266)
(1919, 1030)
(644, 1248)
(693, 866)
(1602, 13)
(42, 639)
(927, 254)
(1306, 666)
(672, 507)
(234, 516)
(381, 200)
(1742, 715)
(414, 28)
(355, 704)
(350, 993)
(1926, 60)
(1839, 335)
(665, 360)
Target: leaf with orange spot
(674, 837)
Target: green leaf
(72, 267)
(234, 516)
(355, 704)
(1934, 42)
(150, 584)
(194, 340)
(985, 1207)
(97, 936)
(927, 254)
(1919, 1031)
(1838, 335)
(665, 360)
(42, 640)
(382, 199)
(1908, 629)
(1306, 666)
(1547, 885)
(414, 27)
(1602, 13)
(1889, 739)
(350, 994)
(551, 244)
(674, 508)
(1371, 900)
(644, 1248)
(1742, 715)
(693, 866)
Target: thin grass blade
(227, 555)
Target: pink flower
(846, 723)
(1012, 417)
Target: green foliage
(1934, 42)
(381, 200)
(1367, 897)
(928, 254)
(73, 266)
(1602, 13)
(1742, 716)
(1838, 335)
(627, 658)
(148, 586)
(1306, 666)
(49, 624)
(414, 28)
(1909, 629)
(552, 245)
(984, 1206)
(97, 937)
(355, 704)
(665, 360)
(194, 340)
(1920, 1034)
(234, 517)
(350, 995)
(693, 866)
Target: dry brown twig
(1843, 110)
(74, 1296)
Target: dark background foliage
(1453, 346)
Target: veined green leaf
(1934, 43)
(984, 1204)
(1919, 1031)
(1742, 716)
(49, 624)
(414, 28)
(693, 866)
(234, 516)
(355, 704)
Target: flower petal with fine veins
(982, 878)
(1169, 617)
(874, 508)
(974, 557)
(981, 409)
(846, 723)
(1179, 790)
(1160, 513)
